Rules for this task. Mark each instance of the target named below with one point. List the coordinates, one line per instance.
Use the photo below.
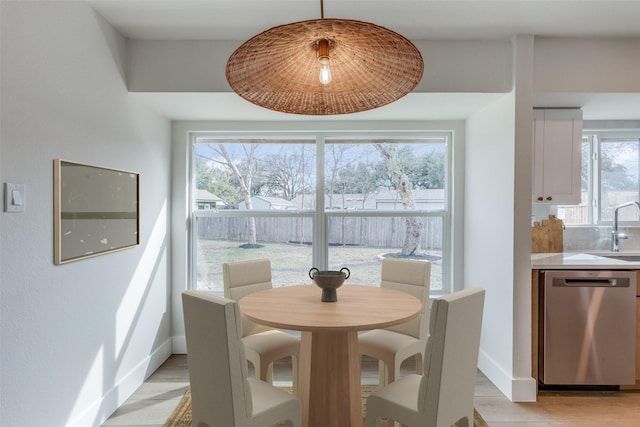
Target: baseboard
(179, 344)
(524, 389)
(100, 410)
(498, 376)
(515, 389)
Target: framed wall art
(95, 210)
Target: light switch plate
(14, 197)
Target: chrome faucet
(616, 236)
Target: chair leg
(255, 367)
(294, 374)
(384, 422)
(386, 374)
(394, 373)
(371, 420)
(266, 372)
(419, 363)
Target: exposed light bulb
(325, 71)
(322, 51)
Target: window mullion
(320, 223)
(594, 182)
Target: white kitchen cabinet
(557, 136)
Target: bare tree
(289, 176)
(244, 181)
(403, 185)
(334, 157)
(287, 173)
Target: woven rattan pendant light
(368, 66)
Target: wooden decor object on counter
(546, 236)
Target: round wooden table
(329, 363)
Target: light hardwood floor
(154, 401)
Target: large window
(320, 200)
(610, 176)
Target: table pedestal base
(329, 379)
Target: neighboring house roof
(206, 196)
(271, 201)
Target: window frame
(320, 216)
(595, 138)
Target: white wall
(488, 232)
(497, 227)
(523, 386)
(480, 66)
(77, 339)
(587, 65)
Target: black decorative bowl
(329, 281)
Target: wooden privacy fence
(388, 232)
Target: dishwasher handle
(608, 282)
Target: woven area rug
(181, 416)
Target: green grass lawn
(290, 263)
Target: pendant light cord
(321, 9)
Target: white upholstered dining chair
(391, 346)
(443, 395)
(263, 345)
(222, 393)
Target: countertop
(585, 261)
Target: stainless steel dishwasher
(589, 327)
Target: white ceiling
(415, 19)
